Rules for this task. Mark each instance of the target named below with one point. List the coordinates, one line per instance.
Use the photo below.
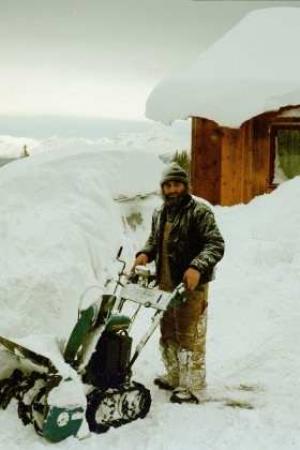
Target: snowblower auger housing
(88, 387)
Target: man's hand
(191, 278)
(141, 260)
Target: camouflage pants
(183, 339)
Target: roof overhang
(251, 70)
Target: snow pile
(13, 147)
(60, 231)
(259, 277)
(242, 75)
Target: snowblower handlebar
(153, 298)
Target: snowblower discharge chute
(89, 387)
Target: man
(186, 244)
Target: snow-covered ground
(62, 218)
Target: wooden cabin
(233, 165)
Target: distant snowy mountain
(106, 134)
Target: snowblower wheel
(39, 411)
(116, 407)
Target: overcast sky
(101, 58)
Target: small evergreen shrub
(182, 158)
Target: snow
(60, 229)
(245, 73)
(12, 146)
(68, 393)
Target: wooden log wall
(231, 166)
(218, 172)
(261, 156)
(206, 159)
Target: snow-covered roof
(252, 69)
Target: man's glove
(191, 278)
(141, 260)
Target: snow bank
(13, 147)
(60, 231)
(258, 279)
(247, 72)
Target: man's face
(173, 189)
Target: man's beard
(174, 201)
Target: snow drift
(60, 231)
(252, 69)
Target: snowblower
(87, 386)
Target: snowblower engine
(89, 386)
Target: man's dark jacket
(194, 240)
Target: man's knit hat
(174, 173)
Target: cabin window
(286, 155)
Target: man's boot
(192, 370)
(182, 395)
(170, 379)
